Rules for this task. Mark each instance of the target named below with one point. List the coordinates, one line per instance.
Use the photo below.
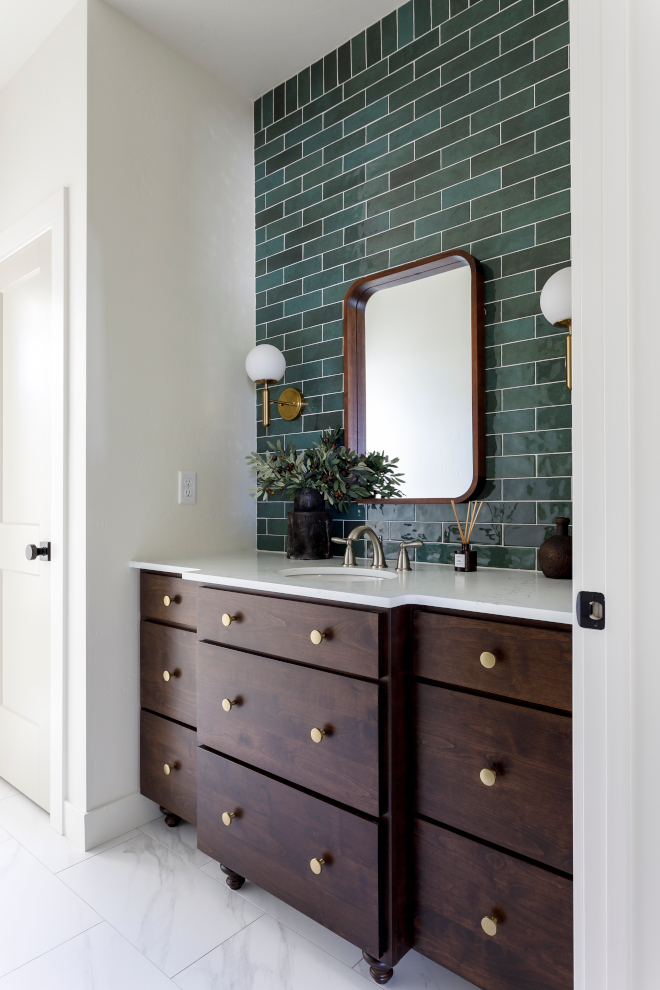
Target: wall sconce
(265, 365)
(556, 307)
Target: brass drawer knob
(168, 675)
(317, 735)
(227, 619)
(316, 865)
(167, 600)
(489, 925)
(227, 705)
(169, 767)
(316, 636)
(488, 660)
(488, 778)
(227, 817)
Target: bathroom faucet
(349, 557)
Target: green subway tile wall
(445, 125)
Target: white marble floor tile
(416, 972)
(167, 909)
(311, 930)
(30, 824)
(37, 911)
(99, 959)
(268, 956)
(182, 840)
(6, 790)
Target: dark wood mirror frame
(354, 361)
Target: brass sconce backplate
(291, 403)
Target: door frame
(52, 215)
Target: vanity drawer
(182, 597)
(281, 627)
(277, 706)
(276, 833)
(164, 649)
(164, 742)
(529, 806)
(459, 882)
(531, 664)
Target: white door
(25, 295)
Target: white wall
(170, 320)
(43, 135)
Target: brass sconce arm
(291, 402)
(569, 350)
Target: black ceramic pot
(309, 527)
(556, 553)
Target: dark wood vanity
(402, 776)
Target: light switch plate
(187, 487)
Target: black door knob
(32, 551)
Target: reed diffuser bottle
(466, 559)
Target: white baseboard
(90, 828)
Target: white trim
(89, 829)
(52, 215)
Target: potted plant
(327, 474)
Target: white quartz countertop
(494, 591)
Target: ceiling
(251, 44)
(24, 25)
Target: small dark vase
(556, 553)
(309, 527)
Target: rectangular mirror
(414, 373)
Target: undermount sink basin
(339, 573)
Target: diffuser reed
(466, 559)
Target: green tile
(553, 87)
(444, 220)
(269, 150)
(445, 94)
(332, 330)
(344, 110)
(422, 17)
(442, 179)
(481, 535)
(506, 198)
(503, 155)
(503, 66)
(553, 181)
(539, 209)
(439, 11)
(333, 402)
(492, 314)
(391, 238)
(554, 465)
(442, 137)
(303, 87)
(467, 231)
(493, 355)
(322, 280)
(335, 293)
(322, 386)
(283, 192)
(415, 129)
(388, 122)
(550, 42)
(551, 371)
(534, 26)
(536, 395)
(415, 250)
(405, 26)
(548, 511)
(285, 158)
(415, 91)
(286, 291)
(505, 288)
(273, 312)
(539, 488)
(354, 214)
(443, 53)
(286, 325)
(373, 43)
(320, 140)
(327, 349)
(388, 163)
(510, 422)
(501, 22)
(324, 103)
(269, 281)
(523, 466)
(554, 134)
(472, 59)
(553, 229)
(476, 101)
(503, 243)
(343, 147)
(413, 51)
(503, 110)
(333, 366)
(301, 337)
(319, 176)
(436, 553)
(510, 377)
(366, 154)
(364, 117)
(528, 305)
(277, 527)
(322, 244)
(475, 14)
(545, 442)
(270, 510)
(524, 536)
(269, 248)
(416, 169)
(472, 146)
(390, 200)
(304, 165)
(368, 191)
(285, 225)
(344, 181)
(535, 118)
(358, 54)
(554, 418)
(276, 543)
(388, 31)
(534, 73)
(367, 228)
(300, 304)
(537, 349)
(350, 252)
(366, 266)
(302, 269)
(269, 215)
(536, 257)
(316, 77)
(323, 209)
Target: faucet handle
(403, 563)
(338, 539)
(349, 556)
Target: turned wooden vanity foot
(234, 880)
(380, 972)
(170, 818)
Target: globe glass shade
(265, 363)
(556, 297)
